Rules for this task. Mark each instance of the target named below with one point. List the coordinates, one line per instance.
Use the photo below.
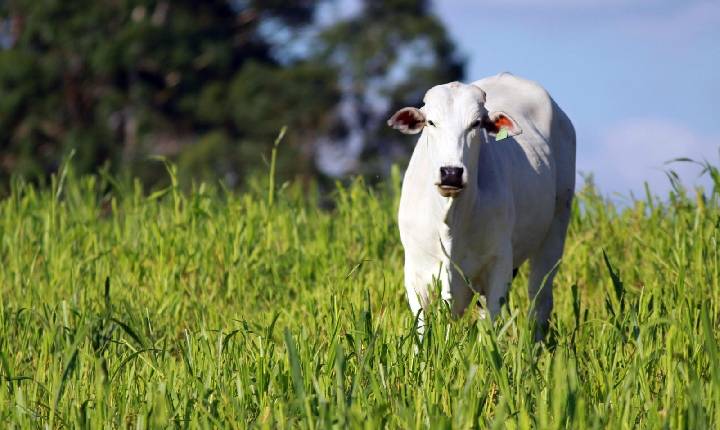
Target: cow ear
(408, 120)
(495, 121)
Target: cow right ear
(495, 121)
(408, 120)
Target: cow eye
(431, 123)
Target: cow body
(514, 205)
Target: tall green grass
(208, 308)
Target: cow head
(454, 122)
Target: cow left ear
(495, 121)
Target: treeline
(209, 84)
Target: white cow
(474, 208)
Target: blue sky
(640, 79)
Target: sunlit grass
(209, 308)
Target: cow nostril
(451, 176)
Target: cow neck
(453, 218)
(454, 210)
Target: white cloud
(636, 150)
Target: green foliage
(118, 81)
(217, 309)
(121, 81)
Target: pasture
(208, 308)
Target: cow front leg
(543, 267)
(498, 283)
(417, 288)
(456, 291)
(416, 307)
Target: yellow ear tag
(502, 134)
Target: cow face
(454, 123)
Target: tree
(120, 79)
(208, 84)
(389, 55)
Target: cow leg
(456, 292)
(543, 266)
(499, 277)
(416, 308)
(417, 288)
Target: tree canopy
(209, 84)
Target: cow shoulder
(526, 101)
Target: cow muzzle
(451, 181)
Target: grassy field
(207, 309)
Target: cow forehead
(455, 99)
